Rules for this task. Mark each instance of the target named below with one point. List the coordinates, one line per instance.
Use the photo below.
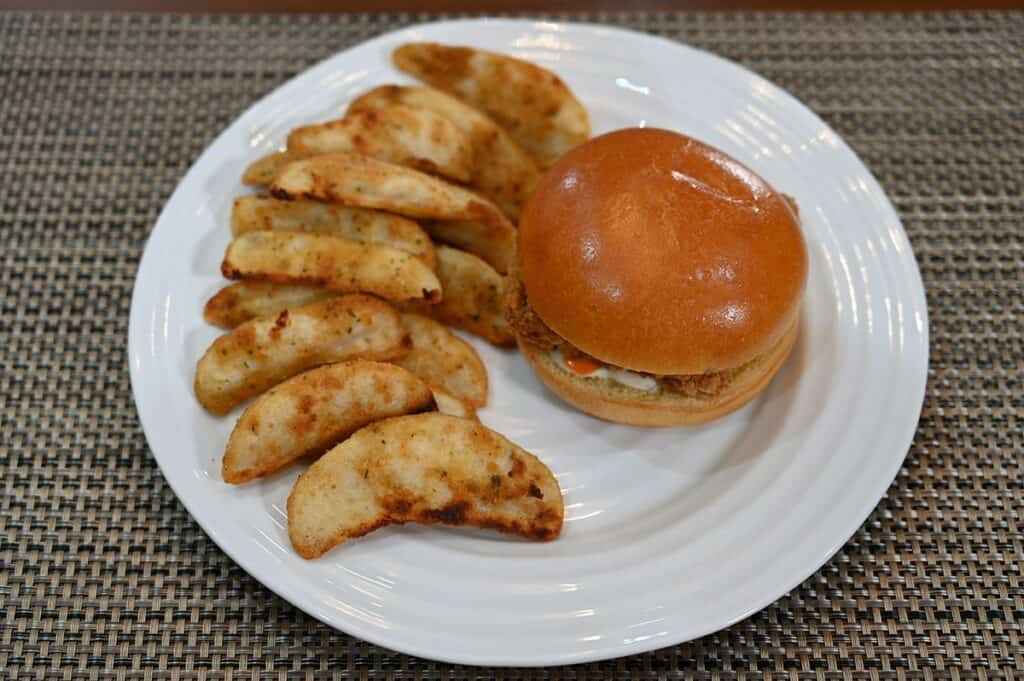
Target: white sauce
(630, 379)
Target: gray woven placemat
(104, 574)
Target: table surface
(343, 6)
(104, 574)
(336, 6)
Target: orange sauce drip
(584, 366)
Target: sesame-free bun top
(655, 252)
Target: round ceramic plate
(670, 534)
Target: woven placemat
(105, 576)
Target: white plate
(670, 534)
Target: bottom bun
(613, 401)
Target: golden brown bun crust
(655, 252)
(622, 405)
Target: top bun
(655, 252)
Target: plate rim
(354, 627)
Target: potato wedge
(356, 180)
(263, 170)
(427, 468)
(312, 412)
(417, 138)
(444, 360)
(265, 214)
(494, 244)
(245, 300)
(453, 406)
(532, 103)
(332, 262)
(472, 297)
(502, 171)
(262, 352)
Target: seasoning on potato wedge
(245, 300)
(537, 109)
(267, 214)
(262, 352)
(416, 138)
(355, 180)
(427, 468)
(332, 262)
(315, 410)
(502, 171)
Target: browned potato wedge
(267, 350)
(502, 172)
(417, 138)
(427, 468)
(332, 262)
(245, 300)
(264, 214)
(494, 244)
(312, 412)
(444, 360)
(355, 180)
(533, 104)
(472, 297)
(453, 406)
(263, 170)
